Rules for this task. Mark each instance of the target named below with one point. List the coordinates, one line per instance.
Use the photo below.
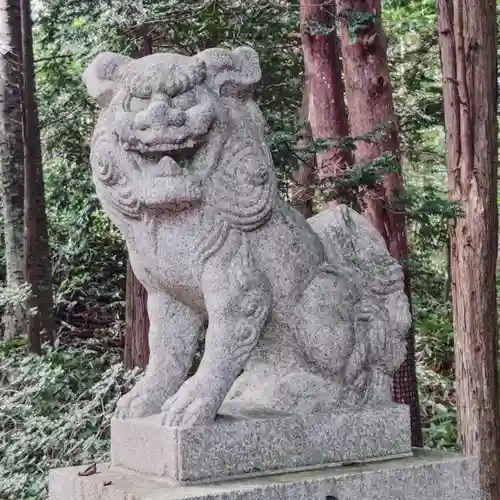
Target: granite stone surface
(313, 312)
(426, 476)
(262, 444)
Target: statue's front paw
(195, 403)
(139, 402)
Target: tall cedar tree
(370, 105)
(467, 37)
(136, 342)
(37, 261)
(327, 114)
(12, 159)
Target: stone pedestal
(426, 476)
(259, 444)
(349, 455)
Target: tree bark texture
(136, 349)
(12, 159)
(327, 114)
(370, 105)
(38, 265)
(467, 38)
(136, 343)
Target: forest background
(55, 409)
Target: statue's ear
(238, 69)
(102, 77)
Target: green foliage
(357, 22)
(89, 256)
(355, 180)
(438, 406)
(55, 411)
(434, 346)
(430, 213)
(13, 296)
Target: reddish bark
(136, 348)
(327, 113)
(467, 37)
(370, 105)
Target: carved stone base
(426, 476)
(259, 444)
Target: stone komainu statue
(313, 312)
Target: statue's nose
(160, 114)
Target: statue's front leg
(173, 338)
(238, 301)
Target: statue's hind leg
(173, 338)
(325, 319)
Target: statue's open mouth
(165, 159)
(164, 149)
(165, 152)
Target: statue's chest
(165, 252)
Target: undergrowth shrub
(433, 328)
(55, 411)
(438, 409)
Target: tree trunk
(302, 190)
(467, 39)
(136, 350)
(38, 266)
(370, 105)
(136, 344)
(327, 113)
(12, 159)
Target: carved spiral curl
(112, 171)
(244, 190)
(104, 164)
(253, 299)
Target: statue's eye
(134, 104)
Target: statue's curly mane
(114, 173)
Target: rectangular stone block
(426, 476)
(234, 446)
